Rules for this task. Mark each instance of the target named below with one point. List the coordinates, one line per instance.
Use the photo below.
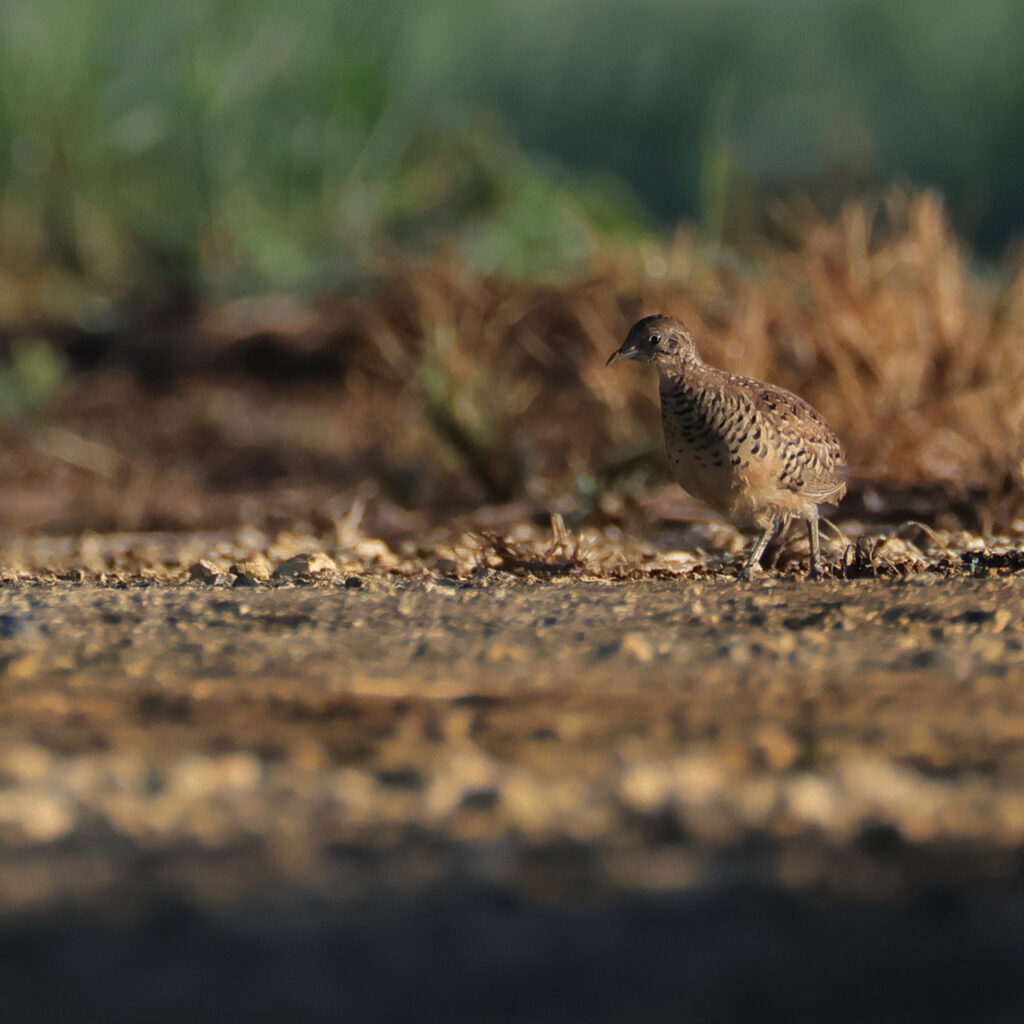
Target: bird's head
(661, 340)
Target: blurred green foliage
(230, 146)
(31, 377)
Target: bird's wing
(813, 458)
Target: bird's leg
(812, 534)
(754, 561)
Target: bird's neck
(683, 373)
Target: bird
(756, 453)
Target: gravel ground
(370, 798)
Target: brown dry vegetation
(918, 364)
(444, 390)
(875, 318)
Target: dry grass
(876, 318)
(446, 391)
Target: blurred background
(318, 237)
(293, 288)
(236, 147)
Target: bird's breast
(700, 445)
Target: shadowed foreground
(513, 801)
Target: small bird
(754, 452)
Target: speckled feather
(738, 426)
(755, 452)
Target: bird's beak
(622, 353)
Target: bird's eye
(655, 340)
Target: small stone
(25, 762)
(638, 646)
(528, 802)
(646, 787)
(305, 565)
(776, 745)
(404, 777)
(372, 551)
(10, 625)
(259, 567)
(24, 666)
(35, 816)
(245, 579)
(464, 774)
(203, 571)
(498, 650)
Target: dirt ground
(360, 661)
(339, 680)
(359, 796)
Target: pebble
(777, 745)
(637, 646)
(305, 565)
(500, 650)
(25, 666)
(24, 762)
(34, 815)
(464, 774)
(259, 567)
(10, 626)
(813, 800)
(203, 571)
(207, 572)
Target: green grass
(228, 147)
(235, 147)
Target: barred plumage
(756, 453)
